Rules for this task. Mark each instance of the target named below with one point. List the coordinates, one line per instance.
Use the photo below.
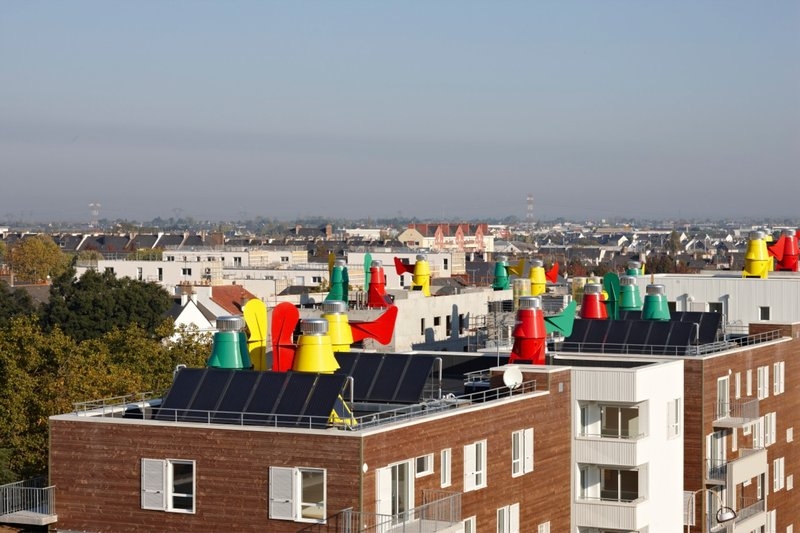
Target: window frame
(475, 466)
(522, 452)
(158, 489)
(287, 495)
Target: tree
(13, 303)
(97, 303)
(35, 259)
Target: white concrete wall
(741, 297)
(653, 387)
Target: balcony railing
(749, 507)
(730, 414)
(716, 470)
(441, 512)
(28, 502)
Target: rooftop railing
(146, 406)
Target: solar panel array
(386, 378)
(230, 396)
(636, 336)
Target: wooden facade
(95, 464)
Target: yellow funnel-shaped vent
(338, 325)
(421, 280)
(757, 261)
(538, 278)
(314, 350)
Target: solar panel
(208, 394)
(659, 333)
(681, 335)
(396, 378)
(638, 334)
(415, 378)
(267, 391)
(236, 396)
(323, 399)
(596, 335)
(389, 377)
(630, 315)
(617, 336)
(181, 394)
(574, 342)
(709, 327)
(295, 395)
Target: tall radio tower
(94, 211)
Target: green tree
(37, 258)
(97, 303)
(13, 303)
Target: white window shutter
(383, 491)
(528, 447)
(154, 484)
(281, 493)
(469, 467)
(513, 518)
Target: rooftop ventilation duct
(229, 349)
(655, 306)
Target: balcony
(750, 463)
(612, 513)
(440, 514)
(750, 516)
(28, 503)
(620, 450)
(735, 414)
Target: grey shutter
(281, 493)
(153, 484)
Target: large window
(610, 484)
(611, 421)
(297, 494)
(521, 452)
(475, 466)
(508, 519)
(394, 492)
(168, 485)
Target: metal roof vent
(530, 302)
(536, 263)
(230, 323)
(331, 307)
(340, 263)
(376, 263)
(656, 289)
(757, 235)
(422, 257)
(627, 280)
(314, 326)
(592, 288)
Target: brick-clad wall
(543, 495)
(786, 406)
(95, 467)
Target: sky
(433, 109)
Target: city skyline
(226, 111)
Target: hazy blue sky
(231, 109)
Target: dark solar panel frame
(208, 394)
(389, 378)
(617, 336)
(414, 379)
(638, 333)
(574, 342)
(240, 391)
(709, 327)
(596, 335)
(327, 390)
(181, 394)
(681, 335)
(264, 398)
(657, 340)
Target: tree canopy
(37, 258)
(97, 303)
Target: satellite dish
(512, 377)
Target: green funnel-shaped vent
(634, 269)
(629, 297)
(655, 303)
(501, 281)
(337, 291)
(229, 349)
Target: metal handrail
(29, 495)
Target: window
(237, 261)
(424, 465)
(160, 274)
(521, 452)
(777, 378)
(109, 270)
(422, 326)
(789, 434)
(772, 521)
(297, 494)
(437, 320)
(723, 398)
(737, 385)
(395, 492)
(619, 422)
(750, 382)
(471, 525)
(611, 484)
(508, 519)
(284, 259)
(674, 413)
(475, 466)
(763, 382)
(460, 324)
(444, 264)
(448, 326)
(168, 485)
(543, 528)
(139, 273)
(186, 271)
(445, 458)
(763, 312)
(714, 307)
(770, 426)
(790, 482)
(316, 279)
(777, 474)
